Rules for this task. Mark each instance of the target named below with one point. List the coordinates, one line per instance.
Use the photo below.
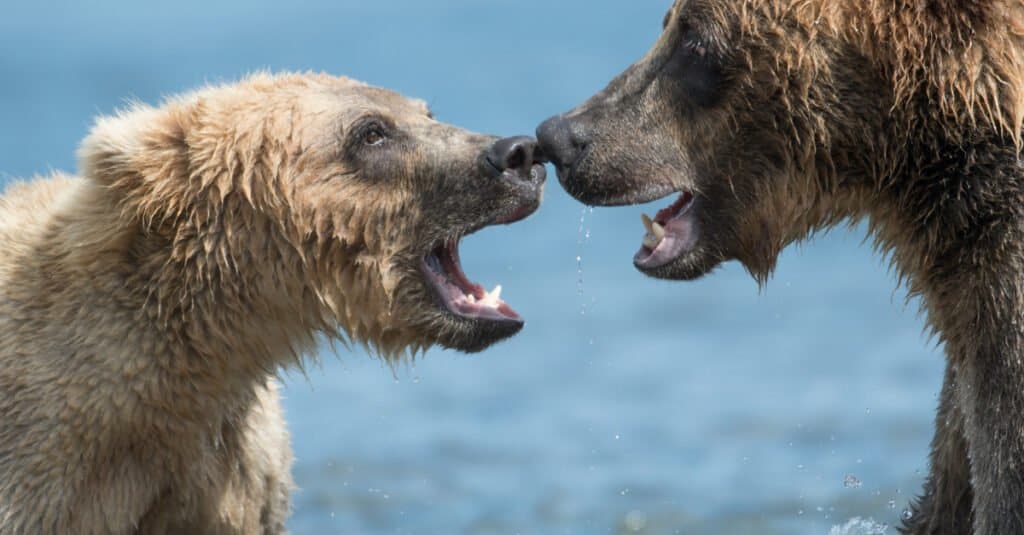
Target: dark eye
(692, 42)
(374, 136)
(696, 47)
(694, 69)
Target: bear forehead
(345, 107)
(314, 93)
(312, 107)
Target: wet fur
(905, 113)
(146, 305)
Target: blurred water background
(627, 405)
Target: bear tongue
(466, 296)
(656, 227)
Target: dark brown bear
(769, 119)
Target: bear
(765, 121)
(147, 304)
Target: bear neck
(953, 219)
(215, 324)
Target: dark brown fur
(783, 117)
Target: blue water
(627, 405)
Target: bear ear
(141, 156)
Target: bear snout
(515, 158)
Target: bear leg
(945, 506)
(990, 395)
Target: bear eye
(692, 42)
(374, 136)
(696, 47)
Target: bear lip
(461, 296)
(676, 232)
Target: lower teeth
(655, 232)
(492, 298)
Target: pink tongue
(679, 235)
(449, 258)
(476, 310)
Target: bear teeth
(492, 299)
(655, 232)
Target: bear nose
(517, 154)
(561, 140)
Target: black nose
(517, 154)
(562, 141)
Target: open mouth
(461, 296)
(670, 233)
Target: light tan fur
(146, 306)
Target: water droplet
(635, 521)
(616, 437)
(799, 467)
(583, 234)
(624, 491)
(850, 481)
(907, 514)
(800, 512)
(892, 504)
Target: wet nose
(561, 140)
(516, 154)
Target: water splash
(850, 481)
(860, 526)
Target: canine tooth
(471, 298)
(492, 298)
(655, 232)
(658, 231)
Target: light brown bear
(765, 120)
(146, 306)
